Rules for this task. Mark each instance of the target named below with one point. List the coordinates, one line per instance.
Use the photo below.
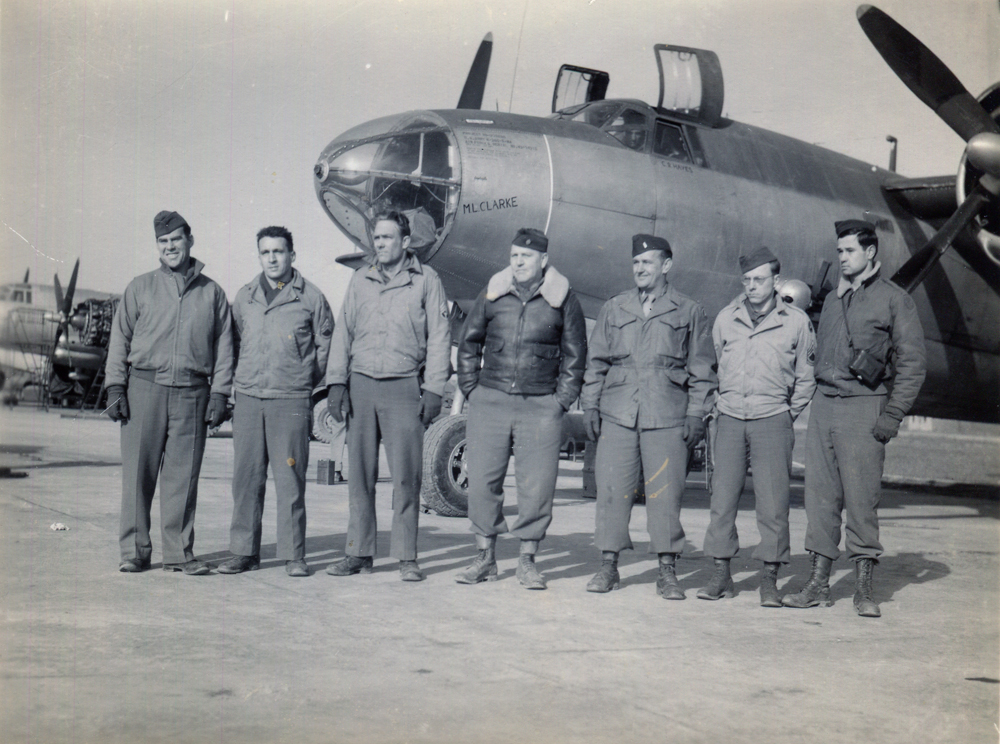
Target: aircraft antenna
(517, 57)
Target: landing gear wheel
(445, 487)
(323, 423)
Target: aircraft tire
(322, 429)
(445, 474)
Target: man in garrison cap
(520, 364)
(766, 350)
(390, 358)
(650, 375)
(282, 326)
(870, 364)
(169, 374)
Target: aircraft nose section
(408, 163)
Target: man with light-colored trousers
(169, 374)
(766, 350)
(389, 361)
(282, 326)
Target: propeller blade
(71, 289)
(59, 293)
(475, 82)
(924, 74)
(27, 273)
(916, 269)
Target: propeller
(27, 273)
(924, 74)
(933, 83)
(64, 306)
(475, 82)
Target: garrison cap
(642, 243)
(529, 237)
(166, 222)
(756, 257)
(846, 227)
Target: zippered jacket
(767, 369)
(883, 319)
(183, 337)
(394, 328)
(538, 347)
(282, 348)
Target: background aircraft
(49, 345)
(598, 171)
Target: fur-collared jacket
(533, 347)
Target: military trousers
(622, 453)
(386, 412)
(530, 426)
(164, 439)
(274, 432)
(769, 443)
(844, 465)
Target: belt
(149, 375)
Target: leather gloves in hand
(886, 427)
(430, 407)
(117, 409)
(338, 402)
(592, 424)
(694, 430)
(218, 410)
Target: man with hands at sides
(393, 328)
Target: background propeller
(475, 81)
(64, 304)
(933, 83)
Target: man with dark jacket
(520, 364)
(389, 361)
(169, 374)
(282, 325)
(646, 393)
(870, 364)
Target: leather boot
(769, 596)
(484, 567)
(606, 579)
(667, 585)
(817, 589)
(527, 572)
(721, 583)
(863, 602)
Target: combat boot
(817, 589)
(606, 579)
(863, 602)
(667, 585)
(484, 567)
(769, 596)
(527, 572)
(721, 583)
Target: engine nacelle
(988, 222)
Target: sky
(112, 110)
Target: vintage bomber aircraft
(50, 344)
(597, 171)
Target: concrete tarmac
(93, 655)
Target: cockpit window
(411, 170)
(18, 295)
(597, 115)
(628, 127)
(669, 142)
